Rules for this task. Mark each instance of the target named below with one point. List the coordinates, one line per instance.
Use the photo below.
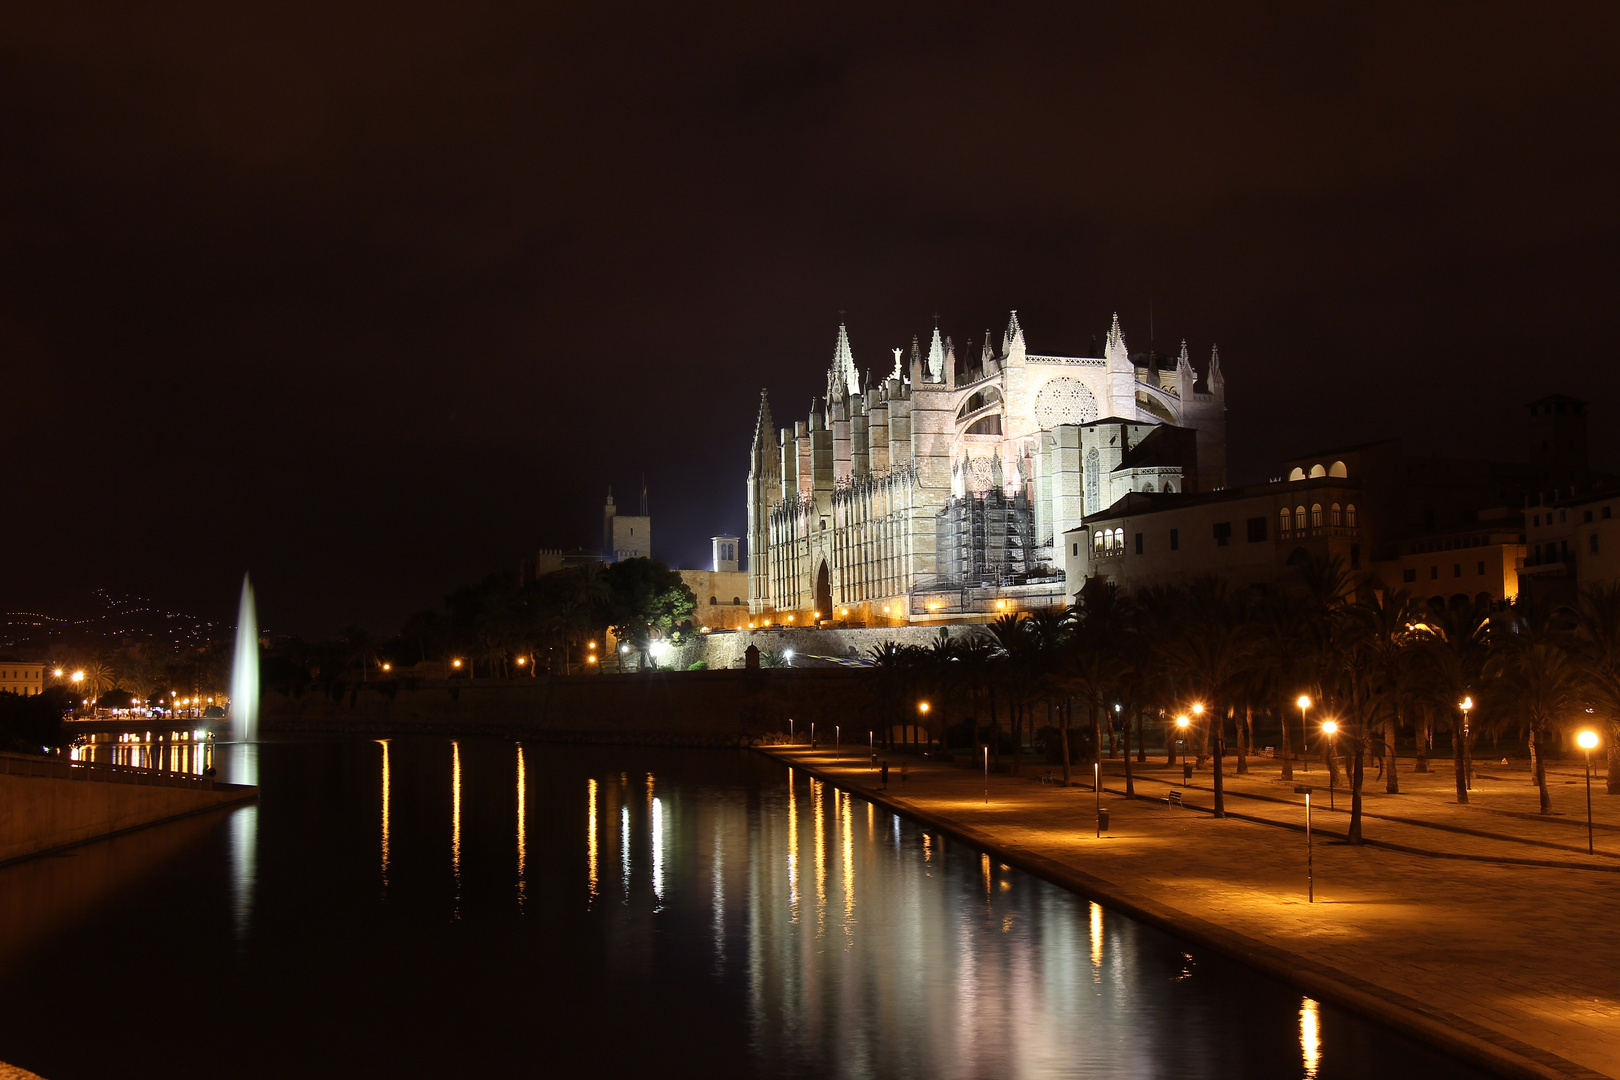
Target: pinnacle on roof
(898, 372)
(1184, 358)
(1014, 332)
(764, 426)
(1215, 376)
(988, 353)
(842, 378)
(936, 358)
(1114, 347)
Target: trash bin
(1186, 774)
(1102, 819)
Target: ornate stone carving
(1064, 401)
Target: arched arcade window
(1316, 515)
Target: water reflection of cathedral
(941, 489)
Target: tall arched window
(1097, 542)
(1119, 539)
(1350, 515)
(1333, 516)
(1285, 522)
(1316, 515)
(1299, 518)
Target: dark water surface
(477, 909)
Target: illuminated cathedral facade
(944, 488)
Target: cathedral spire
(1012, 343)
(764, 426)
(1217, 381)
(1015, 333)
(842, 379)
(936, 358)
(1114, 350)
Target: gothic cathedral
(939, 491)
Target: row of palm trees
(149, 673)
(1383, 666)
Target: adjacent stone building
(943, 489)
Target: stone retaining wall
(44, 813)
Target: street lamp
(1467, 706)
(1587, 740)
(1330, 728)
(1310, 869)
(1304, 703)
(922, 711)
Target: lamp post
(838, 736)
(1310, 869)
(987, 774)
(1588, 740)
(1096, 785)
(1467, 706)
(922, 712)
(790, 729)
(1181, 736)
(1330, 728)
(1305, 761)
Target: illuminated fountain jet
(245, 671)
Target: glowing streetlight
(78, 676)
(455, 663)
(1330, 728)
(390, 667)
(1587, 740)
(922, 713)
(1303, 703)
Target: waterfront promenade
(1484, 929)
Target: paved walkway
(1484, 931)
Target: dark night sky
(373, 303)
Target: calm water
(435, 909)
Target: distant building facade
(22, 677)
(944, 488)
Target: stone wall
(43, 813)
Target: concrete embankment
(46, 804)
(1494, 964)
(675, 708)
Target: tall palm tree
(1389, 622)
(1456, 650)
(1597, 647)
(1547, 687)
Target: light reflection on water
(944, 962)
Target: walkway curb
(1464, 1038)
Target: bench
(1173, 799)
